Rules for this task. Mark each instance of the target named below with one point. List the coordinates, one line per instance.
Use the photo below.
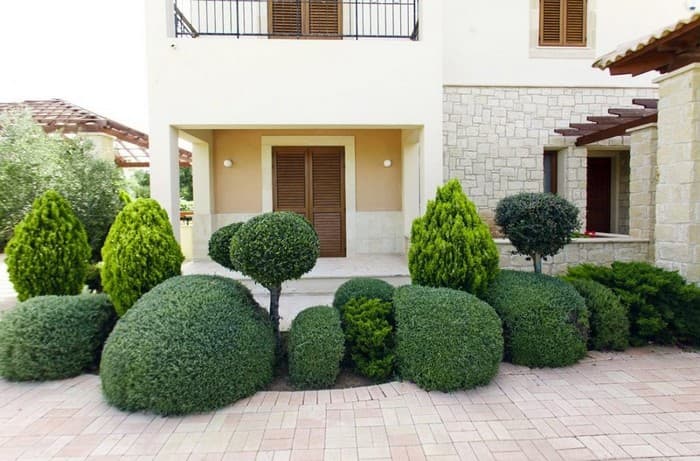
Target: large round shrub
(316, 346)
(54, 337)
(140, 252)
(609, 324)
(363, 287)
(272, 248)
(451, 246)
(49, 251)
(191, 344)
(220, 244)
(446, 339)
(545, 321)
(537, 224)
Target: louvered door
(305, 18)
(311, 181)
(563, 22)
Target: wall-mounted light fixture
(228, 163)
(388, 163)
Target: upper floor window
(308, 18)
(563, 22)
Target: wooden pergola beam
(616, 130)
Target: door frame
(614, 156)
(348, 142)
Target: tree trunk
(537, 262)
(275, 316)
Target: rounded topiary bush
(220, 244)
(446, 339)
(316, 346)
(192, 344)
(139, 253)
(545, 321)
(609, 323)
(54, 337)
(49, 251)
(363, 287)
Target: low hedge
(369, 336)
(363, 287)
(54, 337)
(545, 321)
(446, 339)
(609, 325)
(192, 344)
(220, 244)
(315, 348)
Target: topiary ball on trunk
(220, 244)
(49, 251)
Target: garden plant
(363, 287)
(220, 244)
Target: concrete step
(319, 285)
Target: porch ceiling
(616, 124)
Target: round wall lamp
(228, 163)
(388, 163)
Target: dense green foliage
(538, 225)
(49, 252)
(316, 347)
(369, 336)
(54, 337)
(272, 248)
(363, 287)
(545, 321)
(32, 162)
(446, 339)
(609, 325)
(140, 252)
(191, 344)
(139, 184)
(451, 246)
(662, 306)
(220, 244)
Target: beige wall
(238, 189)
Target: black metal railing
(329, 19)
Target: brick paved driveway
(645, 403)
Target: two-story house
(352, 112)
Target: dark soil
(347, 378)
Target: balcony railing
(297, 19)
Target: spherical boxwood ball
(191, 344)
(220, 244)
(363, 287)
(274, 247)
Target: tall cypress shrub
(451, 246)
(49, 251)
(140, 252)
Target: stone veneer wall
(603, 251)
(494, 137)
(623, 193)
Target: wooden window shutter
(550, 22)
(575, 22)
(324, 18)
(563, 22)
(285, 18)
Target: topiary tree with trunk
(451, 246)
(272, 248)
(220, 245)
(537, 224)
(49, 251)
(140, 252)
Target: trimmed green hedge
(54, 337)
(446, 339)
(192, 344)
(545, 321)
(316, 347)
(363, 287)
(220, 244)
(610, 327)
(369, 334)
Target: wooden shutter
(563, 22)
(324, 18)
(575, 22)
(550, 22)
(285, 18)
(328, 207)
(290, 180)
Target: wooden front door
(599, 192)
(311, 181)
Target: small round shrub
(446, 339)
(609, 325)
(316, 347)
(192, 344)
(369, 335)
(49, 251)
(54, 337)
(139, 253)
(220, 245)
(363, 287)
(545, 321)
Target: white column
(410, 178)
(203, 194)
(431, 163)
(165, 171)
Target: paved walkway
(645, 403)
